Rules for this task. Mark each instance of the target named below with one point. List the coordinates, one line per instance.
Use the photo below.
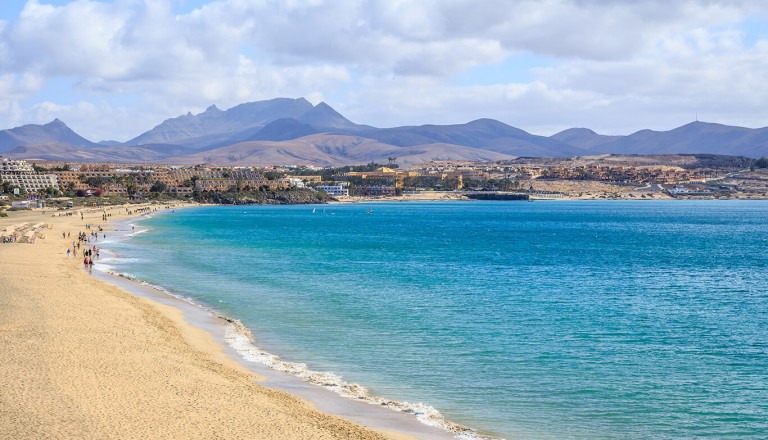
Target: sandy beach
(83, 358)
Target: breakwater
(496, 195)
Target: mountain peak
(238, 122)
(54, 132)
(283, 130)
(324, 116)
(487, 122)
(575, 131)
(583, 138)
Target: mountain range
(285, 131)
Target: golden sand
(81, 358)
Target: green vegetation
(158, 187)
(262, 196)
(6, 187)
(328, 173)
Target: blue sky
(114, 69)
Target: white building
(340, 189)
(19, 173)
(293, 182)
(15, 166)
(22, 204)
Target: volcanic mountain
(293, 131)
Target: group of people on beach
(90, 254)
(140, 210)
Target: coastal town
(378, 220)
(26, 184)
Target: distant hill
(293, 131)
(282, 130)
(325, 119)
(282, 120)
(486, 134)
(694, 138)
(110, 143)
(583, 138)
(215, 123)
(332, 150)
(54, 132)
(65, 152)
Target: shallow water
(523, 320)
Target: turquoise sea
(544, 320)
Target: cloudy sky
(114, 69)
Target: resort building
(21, 174)
(180, 191)
(307, 179)
(226, 184)
(340, 189)
(15, 166)
(293, 182)
(377, 191)
(381, 174)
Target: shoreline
(325, 390)
(314, 412)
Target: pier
(496, 195)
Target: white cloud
(15, 87)
(615, 65)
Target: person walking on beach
(68, 252)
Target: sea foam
(240, 338)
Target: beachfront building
(70, 180)
(340, 189)
(113, 189)
(381, 175)
(293, 182)
(690, 190)
(381, 191)
(230, 183)
(313, 180)
(180, 191)
(15, 166)
(20, 174)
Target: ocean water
(544, 320)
